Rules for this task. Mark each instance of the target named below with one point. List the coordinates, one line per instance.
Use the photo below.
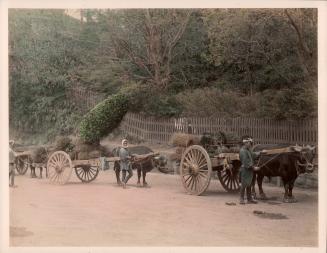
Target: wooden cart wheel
(21, 165)
(195, 169)
(86, 173)
(229, 176)
(59, 167)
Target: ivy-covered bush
(103, 118)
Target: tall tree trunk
(306, 56)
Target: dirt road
(103, 214)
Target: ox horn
(301, 164)
(311, 147)
(296, 148)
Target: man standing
(125, 165)
(12, 156)
(246, 172)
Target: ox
(288, 165)
(142, 167)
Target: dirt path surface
(103, 214)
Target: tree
(143, 41)
(42, 54)
(257, 48)
(304, 23)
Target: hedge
(103, 118)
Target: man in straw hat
(12, 156)
(125, 164)
(246, 172)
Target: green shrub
(160, 105)
(150, 101)
(103, 118)
(289, 104)
(208, 102)
(137, 94)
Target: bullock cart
(25, 159)
(60, 166)
(197, 167)
(22, 161)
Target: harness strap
(265, 164)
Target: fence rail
(262, 130)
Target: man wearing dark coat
(247, 157)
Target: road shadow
(19, 232)
(271, 216)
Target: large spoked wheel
(86, 173)
(59, 167)
(195, 169)
(21, 164)
(229, 176)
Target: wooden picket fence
(264, 131)
(84, 99)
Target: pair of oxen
(287, 165)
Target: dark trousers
(11, 174)
(248, 192)
(130, 174)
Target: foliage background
(185, 62)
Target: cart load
(39, 155)
(184, 140)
